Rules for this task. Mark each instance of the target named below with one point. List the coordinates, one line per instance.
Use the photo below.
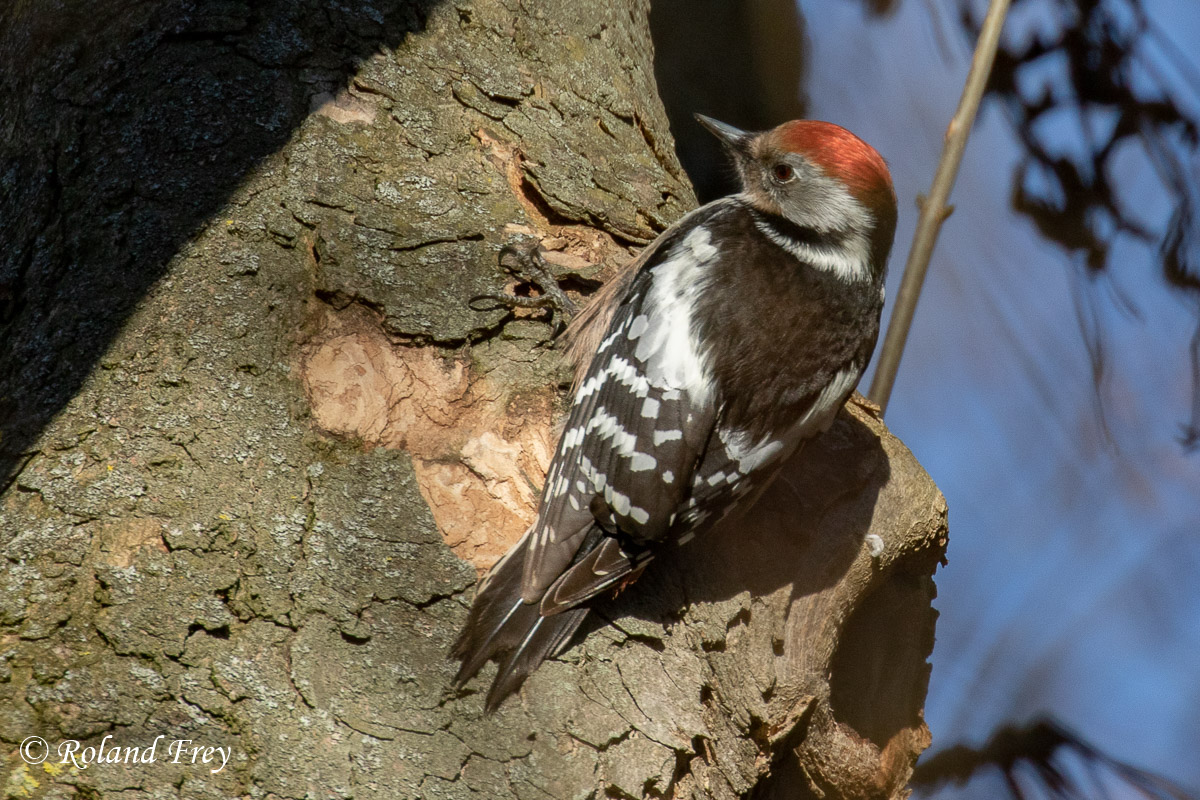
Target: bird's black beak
(736, 140)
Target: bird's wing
(635, 433)
(590, 326)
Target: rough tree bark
(257, 444)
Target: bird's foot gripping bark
(529, 266)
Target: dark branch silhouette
(1106, 71)
(1045, 760)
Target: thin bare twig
(934, 209)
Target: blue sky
(1074, 579)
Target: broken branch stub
(774, 657)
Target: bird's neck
(845, 252)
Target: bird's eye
(783, 172)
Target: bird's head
(818, 176)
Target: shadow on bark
(740, 62)
(128, 128)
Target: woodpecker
(734, 336)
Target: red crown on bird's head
(842, 155)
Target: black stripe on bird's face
(801, 234)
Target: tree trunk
(257, 443)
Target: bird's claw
(528, 265)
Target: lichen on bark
(257, 442)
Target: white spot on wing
(629, 375)
(641, 462)
(597, 480)
(612, 337)
(619, 503)
(606, 426)
(573, 437)
(667, 436)
(590, 386)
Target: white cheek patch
(838, 211)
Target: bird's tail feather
(545, 635)
(501, 625)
